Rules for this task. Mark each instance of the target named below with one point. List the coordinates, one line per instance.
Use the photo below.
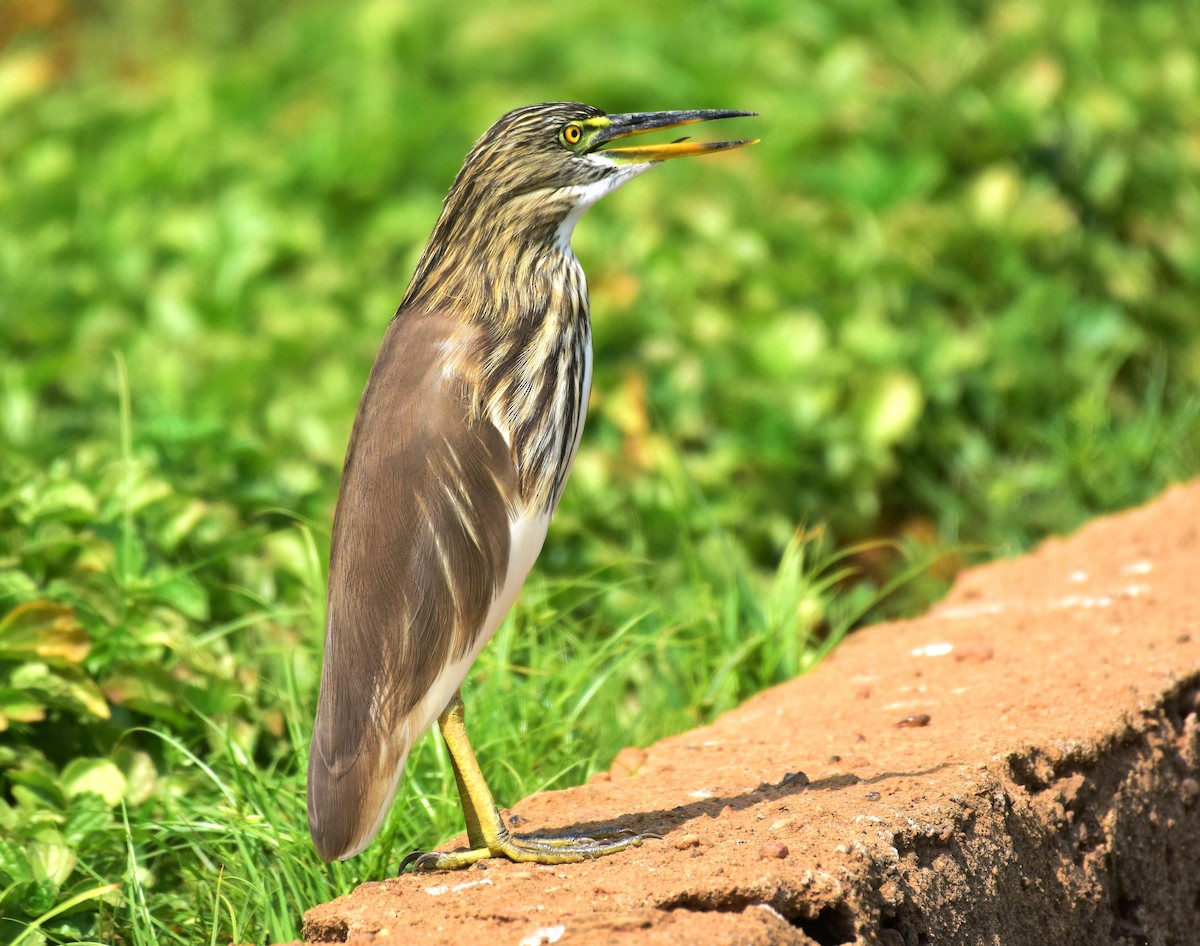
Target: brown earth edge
(1019, 766)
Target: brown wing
(420, 550)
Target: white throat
(587, 194)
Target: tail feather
(347, 808)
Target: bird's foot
(530, 849)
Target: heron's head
(526, 182)
(560, 149)
(557, 158)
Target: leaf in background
(141, 777)
(892, 408)
(19, 707)
(150, 690)
(99, 776)
(186, 595)
(64, 500)
(15, 585)
(51, 857)
(89, 823)
(44, 630)
(36, 794)
(66, 687)
(34, 899)
(14, 862)
(181, 523)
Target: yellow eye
(572, 134)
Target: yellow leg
(486, 831)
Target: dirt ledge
(1019, 766)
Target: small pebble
(1189, 789)
(686, 841)
(914, 722)
(773, 850)
(795, 780)
(516, 820)
(726, 812)
(873, 796)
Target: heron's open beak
(638, 123)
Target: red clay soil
(1017, 767)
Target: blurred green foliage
(950, 299)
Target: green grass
(948, 302)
